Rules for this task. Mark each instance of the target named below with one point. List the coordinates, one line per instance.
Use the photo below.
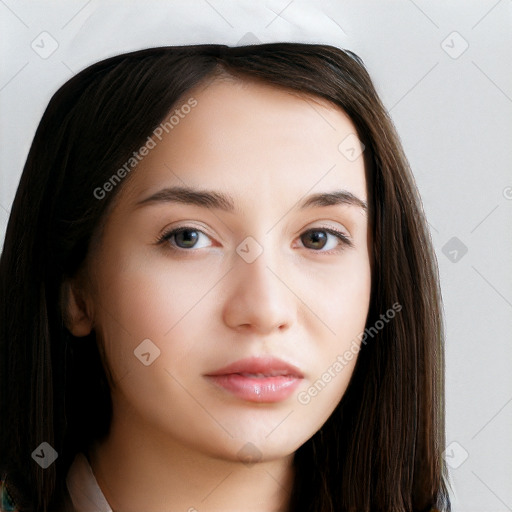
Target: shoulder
(6, 501)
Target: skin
(175, 438)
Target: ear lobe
(76, 314)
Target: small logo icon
(455, 455)
(454, 249)
(249, 454)
(249, 249)
(44, 455)
(248, 38)
(146, 352)
(454, 45)
(351, 147)
(44, 45)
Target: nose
(259, 300)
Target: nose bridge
(258, 297)
(257, 279)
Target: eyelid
(167, 233)
(344, 238)
(328, 224)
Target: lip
(258, 379)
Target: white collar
(83, 488)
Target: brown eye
(327, 239)
(314, 239)
(186, 238)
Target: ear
(76, 313)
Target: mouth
(262, 380)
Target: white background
(452, 106)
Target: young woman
(218, 292)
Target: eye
(186, 237)
(324, 239)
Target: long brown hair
(381, 448)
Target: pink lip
(276, 380)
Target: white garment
(83, 488)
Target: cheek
(341, 296)
(149, 298)
(167, 304)
(341, 300)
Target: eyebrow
(224, 202)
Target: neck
(140, 468)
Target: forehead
(252, 138)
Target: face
(267, 269)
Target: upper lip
(270, 366)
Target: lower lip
(257, 389)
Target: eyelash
(344, 239)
